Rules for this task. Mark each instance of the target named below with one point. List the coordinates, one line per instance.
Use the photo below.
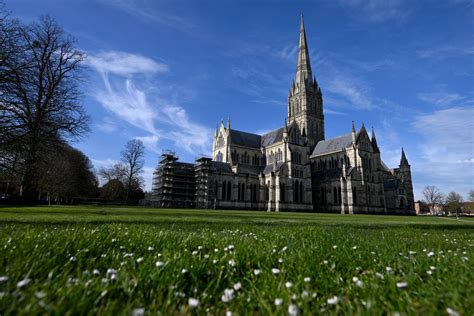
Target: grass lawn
(114, 260)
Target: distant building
(174, 183)
(295, 168)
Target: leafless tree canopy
(133, 159)
(39, 98)
(123, 180)
(432, 195)
(116, 172)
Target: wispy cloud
(353, 91)
(125, 94)
(447, 154)
(124, 64)
(108, 125)
(376, 11)
(104, 162)
(440, 98)
(445, 51)
(288, 52)
(143, 11)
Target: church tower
(405, 172)
(305, 101)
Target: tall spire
(403, 160)
(303, 68)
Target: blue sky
(167, 72)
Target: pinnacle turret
(353, 133)
(403, 159)
(373, 140)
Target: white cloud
(447, 154)
(446, 51)
(129, 103)
(376, 11)
(108, 125)
(148, 177)
(350, 90)
(440, 98)
(449, 134)
(98, 163)
(150, 142)
(288, 52)
(124, 64)
(124, 95)
(144, 12)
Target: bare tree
(116, 172)
(433, 196)
(471, 195)
(39, 99)
(133, 159)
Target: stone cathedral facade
(295, 168)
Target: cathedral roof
(221, 166)
(272, 137)
(384, 166)
(254, 140)
(333, 144)
(272, 167)
(244, 138)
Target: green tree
(453, 203)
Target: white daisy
(23, 283)
(333, 300)
(193, 303)
(228, 295)
(292, 310)
(278, 301)
(138, 312)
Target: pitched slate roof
(254, 140)
(384, 166)
(272, 137)
(244, 138)
(272, 167)
(247, 169)
(333, 144)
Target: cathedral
(293, 168)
